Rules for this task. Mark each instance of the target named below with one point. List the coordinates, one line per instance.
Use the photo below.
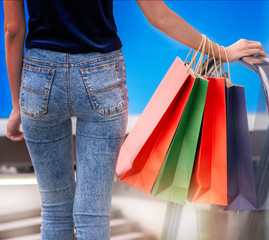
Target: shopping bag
(172, 182)
(209, 178)
(144, 149)
(241, 184)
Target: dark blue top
(73, 26)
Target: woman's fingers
(13, 126)
(16, 137)
(252, 60)
(243, 48)
(255, 51)
(247, 60)
(251, 47)
(257, 46)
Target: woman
(74, 66)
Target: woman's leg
(50, 149)
(47, 128)
(100, 102)
(97, 148)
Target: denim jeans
(92, 87)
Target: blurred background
(148, 55)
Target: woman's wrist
(214, 50)
(219, 52)
(223, 55)
(16, 107)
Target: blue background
(149, 53)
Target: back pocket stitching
(44, 108)
(105, 89)
(35, 91)
(99, 67)
(118, 85)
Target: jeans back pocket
(105, 85)
(35, 90)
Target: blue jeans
(92, 87)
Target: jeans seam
(61, 230)
(100, 137)
(67, 85)
(26, 66)
(54, 140)
(106, 120)
(58, 189)
(73, 64)
(92, 214)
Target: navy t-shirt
(72, 26)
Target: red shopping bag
(209, 178)
(144, 150)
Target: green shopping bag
(173, 179)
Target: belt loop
(66, 59)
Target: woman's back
(79, 26)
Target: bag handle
(211, 46)
(201, 59)
(199, 65)
(221, 64)
(210, 49)
(194, 56)
(228, 79)
(203, 36)
(221, 73)
(207, 62)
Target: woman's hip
(90, 85)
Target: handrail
(262, 69)
(253, 68)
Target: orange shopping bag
(209, 178)
(144, 150)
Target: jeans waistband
(60, 59)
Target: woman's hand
(249, 51)
(13, 126)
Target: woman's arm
(15, 30)
(167, 21)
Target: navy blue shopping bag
(241, 183)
